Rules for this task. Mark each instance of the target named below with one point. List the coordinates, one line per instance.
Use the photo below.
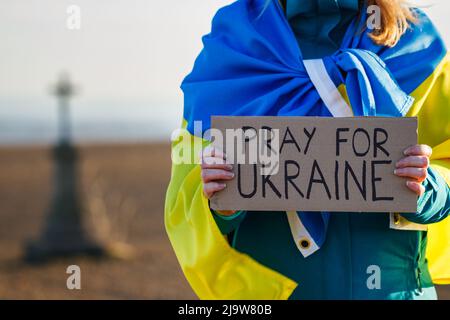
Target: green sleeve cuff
(227, 224)
(434, 205)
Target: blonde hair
(396, 17)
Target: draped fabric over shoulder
(252, 65)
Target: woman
(268, 57)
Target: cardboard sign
(315, 164)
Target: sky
(127, 61)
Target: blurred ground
(131, 180)
(124, 183)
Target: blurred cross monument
(65, 232)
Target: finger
(419, 174)
(213, 152)
(212, 161)
(209, 175)
(216, 163)
(413, 161)
(419, 150)
(209, 189)
(416, 187)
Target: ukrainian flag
(251, 65)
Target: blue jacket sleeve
(434, 205)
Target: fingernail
(395, 171)
(231, 175)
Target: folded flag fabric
(251, 65)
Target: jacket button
(304, 243)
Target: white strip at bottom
(301, 235)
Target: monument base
(65, 231)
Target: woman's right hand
(215, 173)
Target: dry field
(125, 186)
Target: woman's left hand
(414, 167)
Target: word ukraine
(315, 164)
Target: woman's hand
(414, 167)
(215, 172)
